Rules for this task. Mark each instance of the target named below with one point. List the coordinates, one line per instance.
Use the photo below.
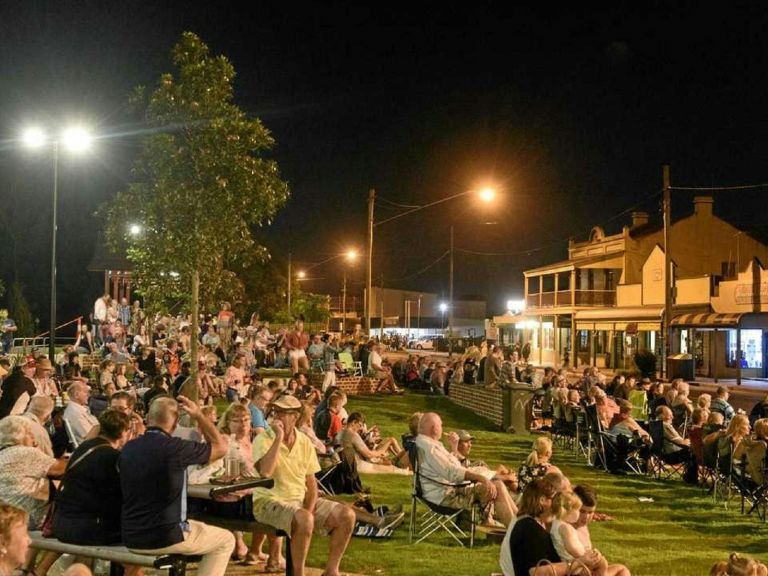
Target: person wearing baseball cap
(293, 505)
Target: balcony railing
(566, 298)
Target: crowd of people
(107, 457)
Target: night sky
(570, 113)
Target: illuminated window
(751, 348)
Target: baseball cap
(464, 436)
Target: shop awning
(643, 318)
(709, 320)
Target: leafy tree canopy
(201, 184)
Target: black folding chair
(436, 517)
(662, 466)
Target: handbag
(47, 527)
(545, 562)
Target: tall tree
(202, 185)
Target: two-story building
(606, 301)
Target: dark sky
(570, 112)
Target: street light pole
(668, 272)
(290, 274)
(369, 263)
(52, 341)
(344, 304)
(450, 302)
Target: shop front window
(751, 348)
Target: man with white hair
(38, 413)
(77, 415)
(438, 467)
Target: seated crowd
(136, 452)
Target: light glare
(487, 194)
(135, 229)
(443, 307)
(301, 274)
(76, 139)
(33, 137)
(352, 255)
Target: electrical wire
(531, 251)
(420, 272)
(396, 204)
(715, 188)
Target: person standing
(296, 342)
(99, 318)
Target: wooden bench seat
(175, 563)
(248, 525)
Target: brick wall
(481, 400)
(352, 385)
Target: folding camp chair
(350, 365)
(595, 445)
(639, 400)
(435, 517)
(661, 466)
(73, 443)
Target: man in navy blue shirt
(153, 476)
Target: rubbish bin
(680, 366)
(518, 402)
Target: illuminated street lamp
(135, 229)
(75, 139)
(443, 307)
(486, 195)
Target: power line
(715, 188)
(530, 251)
(396, 204)
(427, 267)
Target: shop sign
(745, 294)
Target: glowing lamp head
(33, 137)
(135, 229)
(301, 274)
(351, 255)
(76, 139)
(487, 194)
(443, 307)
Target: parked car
(425, 343)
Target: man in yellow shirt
(288, 456)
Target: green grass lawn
(683, 532)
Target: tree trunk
(193, 328)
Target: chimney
(702, 206)
(639, 219)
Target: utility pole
(344, 304)
(369, 267)
(450, 302)
(290, 273)
(668, 271)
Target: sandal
(275, 567)
(252, 559)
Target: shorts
(462, 497)
(296, 354)
(280, 514)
